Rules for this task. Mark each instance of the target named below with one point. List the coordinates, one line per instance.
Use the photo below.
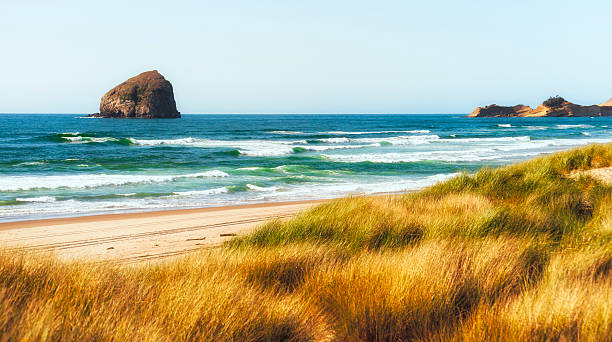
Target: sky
(307, 56)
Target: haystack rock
(554, 107)
(146, 96)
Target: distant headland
(555, 107)
(146, 96)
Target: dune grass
(519, 253)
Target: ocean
(64, 165)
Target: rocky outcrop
(500, 111)
(569, 109)
(147, 96)
(557, 108)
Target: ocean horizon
(63, 165)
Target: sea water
(65, 165)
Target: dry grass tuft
(411, 294)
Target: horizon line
(280, 113)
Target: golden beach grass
(522, 252)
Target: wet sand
(135, 237)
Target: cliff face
(148, 96)
(565, 108)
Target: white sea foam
(219, 196)
(31, 163)
(415, 131)
(318, 148)
(261, 188)
(256, 148)
(396, 140)
(85, 140)
(496, 139)
(499, 149)
(43, 199)
(536, 128)
(214, 191)
(185, 199)
(266, 148)
(573, 126)
(473, 155)
(504, 125)
(335, 140)
(401, 140)
(261, 148)
(549, 145)
(16, 183)
(288, 132)
(358, 187)
(155, 142)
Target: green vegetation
(140, 93)
(519, 253)
(554, 102)
(135, 95)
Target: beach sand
(603, 174)
(136, 237)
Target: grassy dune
(522, 252)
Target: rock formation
(147, 96)
(495, 110)
(555, 107)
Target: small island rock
(553, 107)
(147, 96)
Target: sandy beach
(135, 237)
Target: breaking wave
(442, 156)
(78, 138)
(414, 131)
(573, 126)
(21, 183)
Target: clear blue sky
(307, 56)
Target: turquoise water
(63, 165)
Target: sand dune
(607, 103)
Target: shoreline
(142, 236)
(133, 213)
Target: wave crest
(23, 183)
